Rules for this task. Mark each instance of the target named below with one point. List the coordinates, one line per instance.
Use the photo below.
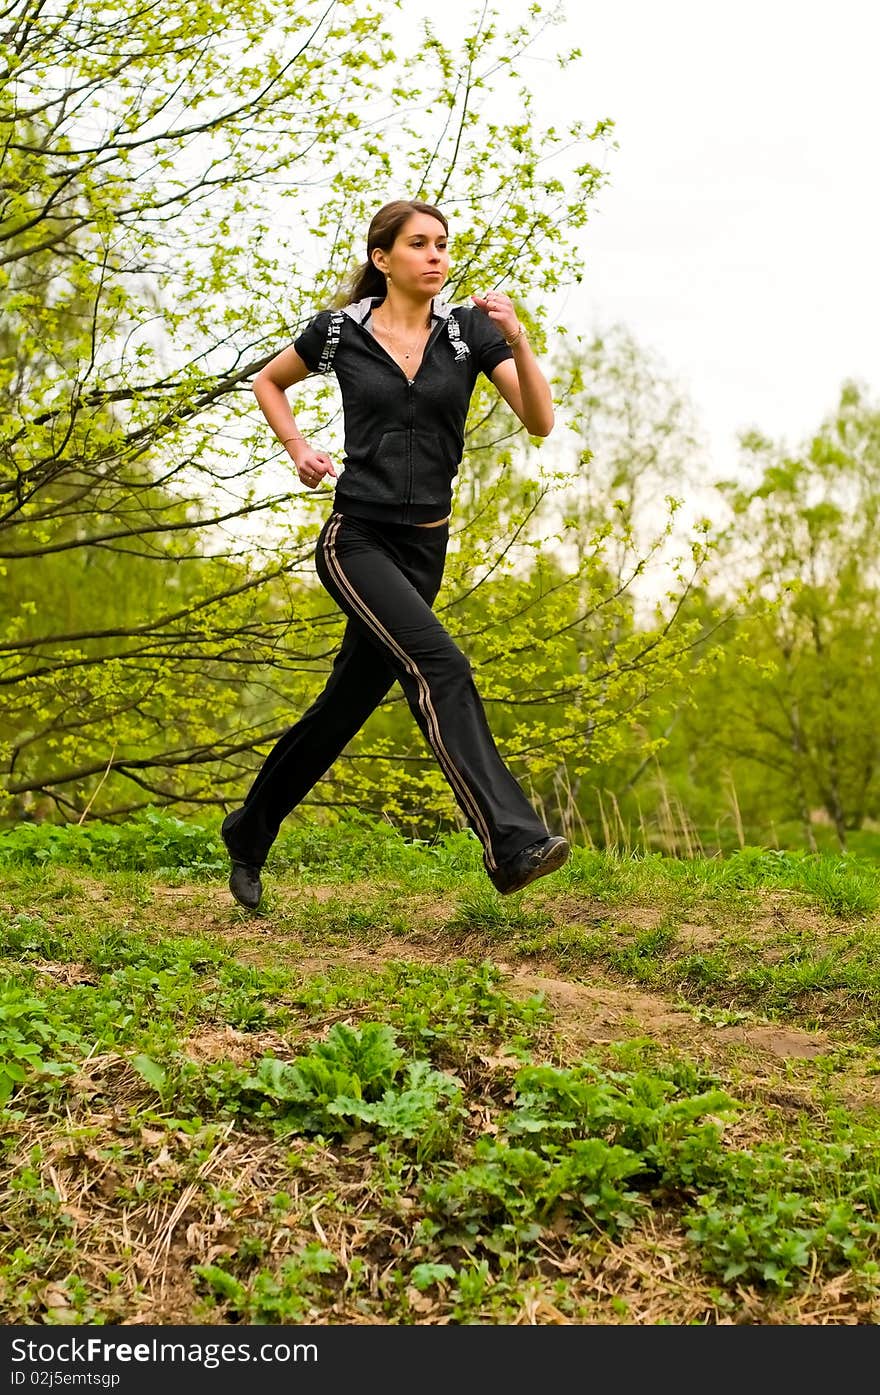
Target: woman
(407, 365)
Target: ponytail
(365, 280)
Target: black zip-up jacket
(403, 437)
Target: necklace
(415, 344)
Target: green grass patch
(157, 843)
(201, 1126)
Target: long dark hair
(367, 279)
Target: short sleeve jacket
(404, 437)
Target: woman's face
(419, 259)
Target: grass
(644, 1090)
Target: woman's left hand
(499, 308)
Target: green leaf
(152, 1072)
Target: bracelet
(292, 438)
(516, 338)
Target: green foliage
(151, 841)
(30, 1040)
(845, 887)
(588, 1134)
(287, 1295)
(442, 1195)
(495, 1200)
(24, 935)
(665, 1139)
(424, 1275)
(151, 1071)
(359, 845)
(351, 1062)
(778, 743)
(775, 1238)
(158, 842)
(435, 1008)
(155, 625)
(421, 1110)
(639, 1111)
(358, 1075)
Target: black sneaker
(244, 879)
(547, 855)
(245, 885)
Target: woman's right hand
(311, 465)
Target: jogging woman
(407, 364)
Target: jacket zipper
(411, 435)
(386, 357)
(410, 387)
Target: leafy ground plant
(646, 1091)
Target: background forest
(669, 661)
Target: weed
(359, 1076)
(410, 1109)
(285, 1295)
(483, 910)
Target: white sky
(738, 237)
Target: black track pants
(385, 578)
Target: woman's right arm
(270, 389)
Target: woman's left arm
(519, 380)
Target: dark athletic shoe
(244, 879)
(245, 885)
(547, 855)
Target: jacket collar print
(358, 311)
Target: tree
(179, 190)
(636, 456)
(792, 715)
